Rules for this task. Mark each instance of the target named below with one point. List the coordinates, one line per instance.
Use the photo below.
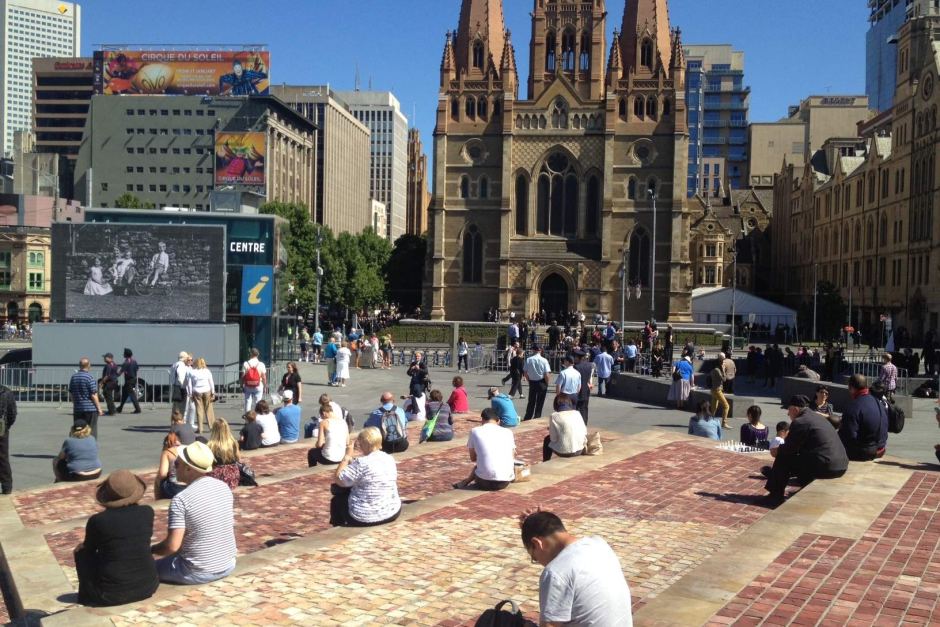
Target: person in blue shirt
(288, 419)
(629, 356)
(681, 387)
(317, 342)
(376, 418)
(703, 424)
(508, 417)
(329, 356)
(604, 364)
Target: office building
(31, 28)
(419, 198)
(861, 214)
(718, 103)
(381, 113)
(801, 134)
(881, 49)
(342, 199)
(62, 90)
(595, 158)
(161, 149)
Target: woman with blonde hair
(78, 459)
(201, 389)
(366, 490)
(224, 448)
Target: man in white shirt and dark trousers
(493, 450)
(568, 380)
(536, 371)
(583, 582)
(178, 374)
(254, 380)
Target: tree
(130, 201)
(404, 271)
(301, 245)
(831, 312)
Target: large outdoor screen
(138, 272)
(181, 72)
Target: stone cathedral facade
(540, 203)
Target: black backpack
(895, 418)
(498, 617)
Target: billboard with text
(239, 158)
(175, 72)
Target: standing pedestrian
(84, 391)
(129, 370)
(7, 418)
(463, 349)
(418, 371)
(516, 365)
(200, 387)
(717, 380)
(109, 381)
(536, 371)
(317, 341)
(889, 376)
(604, 363)
(254, 380)
(178, 375)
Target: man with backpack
(864, 427)
(390, 419)
(254, 380)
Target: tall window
(560, 114)
(36, 282)
(651, 107)
(471, 108)
(585, 52)
(550, 52)
(623, 108)
(558, 197)
(482, 108)
(638, 104)
(478, 55)
(472, 255)
(593, 207)
(455, 109)
(640, 251)
(484, 187)
(646, 54)
(883, 230)
(567, 51)
(464, 187)
(522, 205)
(631, 188)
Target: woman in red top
(458, 398)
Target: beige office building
(342, 200)
(419, 198)
(802, 133)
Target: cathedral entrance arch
(553, 295)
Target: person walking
(7, 418)
(586, 369)
(84, 391)
(254, 379)
(889, 376)
(463, 350)
(109, 381)
(129, 370)
(516, 366)
(179, 373)
(537, 372)
(604, 363)
(200, 387)
(717, 380)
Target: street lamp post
(652, 194)
(734, 293)
(316, 315)
(623, 287)
(815, 299)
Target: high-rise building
(718, 104)
(62, 90)
(419, 198)
(381, 113)
(881, 49)
(31, 28)
(595, 160)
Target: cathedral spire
(448, 64)
(480, 35)
(645, 37)
(678, 54)
(614, 63)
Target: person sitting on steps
(492, 449)
(366, 490)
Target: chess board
(736, 447)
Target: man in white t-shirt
(493, 450)
(568, 380)
(583, 582)
(254, 380)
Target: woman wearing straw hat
(114, 563)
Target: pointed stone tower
(568, 38)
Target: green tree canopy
(130, 201)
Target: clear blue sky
(792, 48)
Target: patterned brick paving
(663, 511)
(891, 576)
(283, 511)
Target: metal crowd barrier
(872, 371)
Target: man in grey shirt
(536, 372)
(583, 582)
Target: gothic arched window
(484, 187)
(870, 234)
(651, 107)
(482, 108)
(550, 52)
(455, 109)
(623, 108)
(558, 191)
(472, 255)
(631, 188)
(464, 187)
(522, 205)
(646, 54)
(471, 108)
(638, 104)
(560, 114)
(478, 55)
(640, 258)
(567, 50)
(883, 230)
(585, 52)
(592, 224)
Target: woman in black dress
(291, 381)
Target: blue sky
(792, 48)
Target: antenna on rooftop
(357, 77)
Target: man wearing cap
(504, 408)
(200, 543)
(109, 381)
(536, 371)
(568, 380)
(812, 450)
(129, 370)
(113, 562)
(178, 373)
(84, 391)
(586, 370)
(288, 418)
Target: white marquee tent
(713, 305)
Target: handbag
(523, 472)
(499, 617)
(676, 375)
(595, 446)
(428, 430)
(246, 476)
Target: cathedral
(554, 202)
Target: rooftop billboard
(188, 73)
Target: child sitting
(754, 432)
(783, 427)
(182, 430)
